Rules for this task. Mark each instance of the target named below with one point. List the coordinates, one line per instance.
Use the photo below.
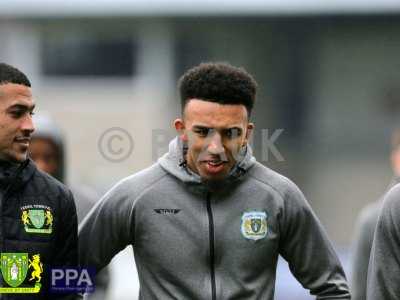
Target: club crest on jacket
(254, 225)
(37, 219)
(15, 267)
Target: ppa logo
(72, 280)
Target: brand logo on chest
(167, 211)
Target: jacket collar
(14, 176)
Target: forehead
(11, 93)
(214, 114)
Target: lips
(23, 140)
(214, 166)
(215, 163)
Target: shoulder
(43, 183)
(391, 205)
(44, 190)
(368, 216)
(272, 180)
(365, 228)
(132, 187)
(141, 180)
(392, 197)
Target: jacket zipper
(211, 240)
(3, 199)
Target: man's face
(45, 155)
(215, 134)
(16, 126)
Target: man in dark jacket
(38, 224)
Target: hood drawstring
(238, 172)
(182, 160)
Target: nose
(27, 124)
(215, 145)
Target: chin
(17, 157)
(223, 174)
(215, 177)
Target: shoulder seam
(146, 188)
(134, 202)
(268, 184)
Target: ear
(179, 125)
(249, 132)
(395, 160)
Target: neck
(8, 164)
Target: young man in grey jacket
(207, 221)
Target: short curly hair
(10, 74)
(218, 82)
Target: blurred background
(328, 76)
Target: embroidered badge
(37, 219)
(14, 268)
(254, 225)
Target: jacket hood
(46, 128)
(174, 162)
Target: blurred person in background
(384, 265)
(38, 215)
(47, 149)
(365, 228)
(207, 221)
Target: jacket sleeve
(107, 229)
(384, 266)
(361, 250)
(309, 253)
(66, 253)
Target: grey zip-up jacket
(384, 265)
(191, 243)
(362, 244)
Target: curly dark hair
(218, 82)
(10, 74)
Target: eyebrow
(22, 107)
(206, 127)
(201, 127)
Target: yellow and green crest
(37, 217)
(14, 268)
(37, 220)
